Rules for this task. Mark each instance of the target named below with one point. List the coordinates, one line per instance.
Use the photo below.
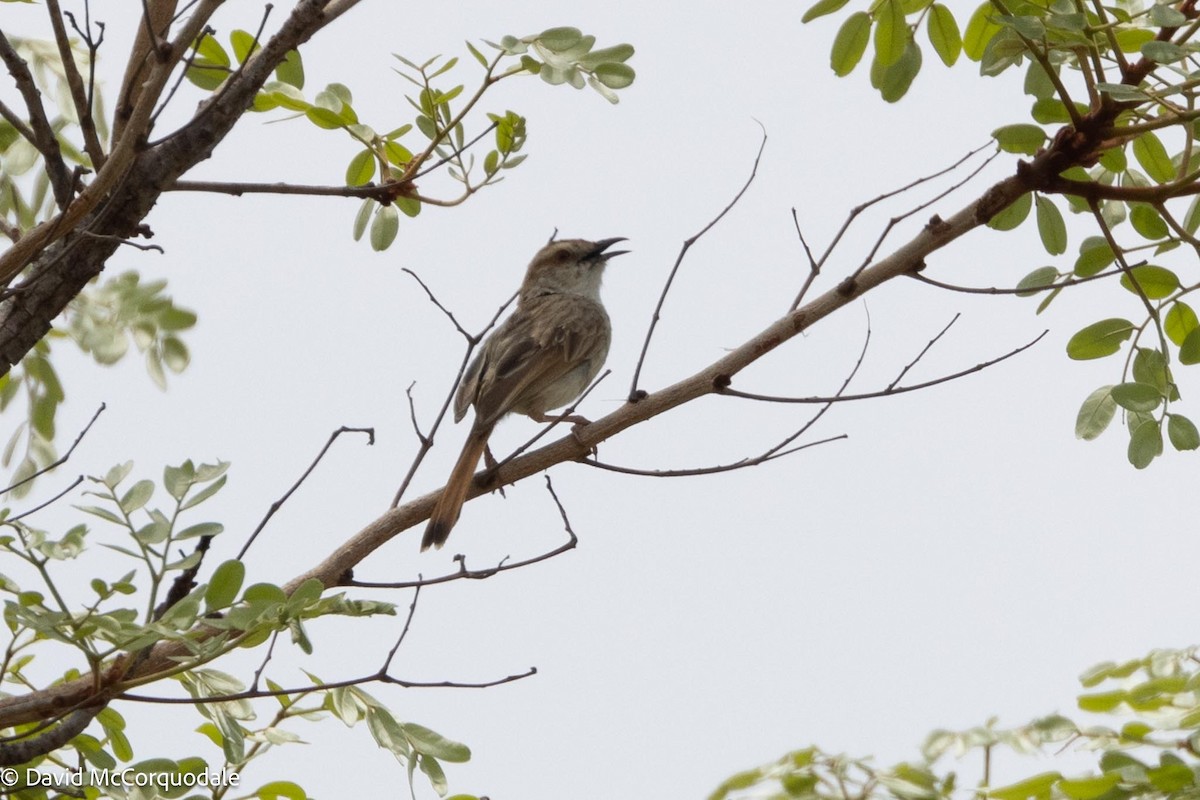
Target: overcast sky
(960, 555)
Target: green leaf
(943, 34)
(1130, 40)
(430, 743)
(176, 319)
(1094, 255)
(1155, 282)
(1113, 159)
(1012, 216)
(1147, 221)
(850, 43)
(1021, 138)
(1051, 226)
(225, 584)
(1189, 350)
(1088, 788)
(1191, 222)
(1164, 52)
(243, 45)
(281, 789)
(1182, 432)
(560, 39)
(175, 354)
(1180, 321)
(363, 217)
(1152, 155)
(821, 8)
(209, 49)
(291, 70)
(361, 168)
(1095, 414)
(1040, 279)
(891, 33)
(207, 78)
(483, 62)
(894, 81)
(384, 227)
(137, 496)
(1137, 396)
(409, 206)
(1150, 367)
(981, 29)
(324, 118)
(1037, 81)
(120, 471)
(614, 75)
(1039, 787)
(205, 493)
(1099, 339)
(1145, 444)
(200, 529)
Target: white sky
(960, 556)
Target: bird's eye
(562, 256)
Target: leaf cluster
(1154, 755)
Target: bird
(540, 358)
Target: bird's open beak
(604, 244)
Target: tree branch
(79, 97)
(44, 138)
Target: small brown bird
(539, 359)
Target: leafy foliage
(42, 620)
(560, 56)
(1152, 755)
(1132, 64)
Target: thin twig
(894, 221)
(1058, 284)
(885, 392)
(370, 432)
(412, 611)
(470, 574)
(79, 97)
(65, 455)
(78, 480)
(250, 695)
(473, 340)
(924, 350)
(778, 450)
(857, 211)
(44, 138)
(814, 269)
(636, 394)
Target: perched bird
(539, 359)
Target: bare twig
(65, 455)
(1058, 284)
(412, 610)
(370, 432)
(471, 574)
(814, 269)
(889, 391)
(473, 340)
(636, 394)
(896, 220)
(861, 207)
(924, 350)
(78, 480)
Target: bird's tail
(446, 510)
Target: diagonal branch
(79, 97)
(44, 138)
